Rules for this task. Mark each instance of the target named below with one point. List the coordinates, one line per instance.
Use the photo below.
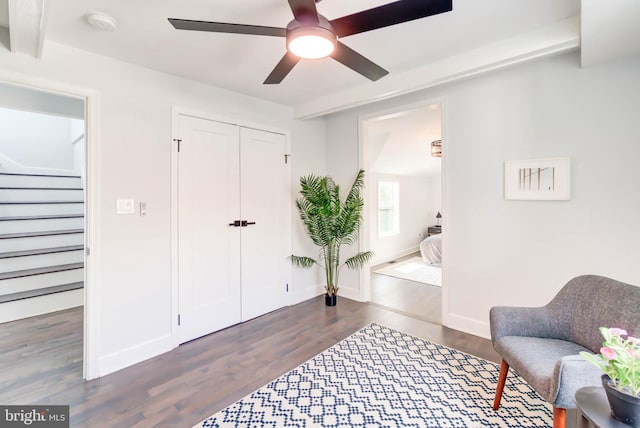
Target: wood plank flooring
(188, 384)
(410, 298)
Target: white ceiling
(242, 62)
(400, 143)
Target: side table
(434, 230)
(593, 409)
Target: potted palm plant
(331, 223)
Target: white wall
(308, 156)
(435, 199)
(36, 140)
(501, 252)
(134, 162)
(414, 206)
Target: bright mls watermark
(34, 416)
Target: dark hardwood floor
(410, 298)
(40, 363)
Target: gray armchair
(542, 344)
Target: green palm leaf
(331, 223)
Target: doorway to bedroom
(403, 150)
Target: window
(388, 215)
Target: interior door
(208, 248)
(265, 245)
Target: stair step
(53, 196)
(38, 175)
(31, 181)
(39, 188)
(41, 217)
(41, 292)
(39, 202)
(40, 271)
(40, 251)
(28, 283)
(33, 234)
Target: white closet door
(208, 248)
(265, 200)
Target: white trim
(350, 293)
(185, 111)
(556, 38)
(444, 171)
(134, 354)
(469, 325)
(363, 159)
(398, 254)
(92, 283)
(176, 110)
(306, 294)
(27, 26)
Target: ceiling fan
(311, 35)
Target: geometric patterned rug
(380, 377)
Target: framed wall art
(537, 179)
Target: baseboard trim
(34, 306)
(397, 255)
(305, 294)
(135, 354)
(350, 293)
(467, 325)
(311, 292)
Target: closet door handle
(236, 223)
(246, 223)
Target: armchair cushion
(540, 362)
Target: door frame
(92, 221)
(177, 110)
(363, 159)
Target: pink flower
(617, 331)
(633, 340)
(608, 353)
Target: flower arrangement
(619, 359)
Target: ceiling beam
(27, 20)
(556, 38)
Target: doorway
(233, 230)
(404, 209)
(45, 215)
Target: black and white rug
(380, 377)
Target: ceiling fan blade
(223, 27)
(283, 68)
(389, 14)
(304, 11)
(357, 62)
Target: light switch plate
(125, 206)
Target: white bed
(431, 249)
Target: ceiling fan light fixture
(311, 42)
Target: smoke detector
(101, 21)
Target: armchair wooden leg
(504, 369)
(559, 417)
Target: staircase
(41, 244)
